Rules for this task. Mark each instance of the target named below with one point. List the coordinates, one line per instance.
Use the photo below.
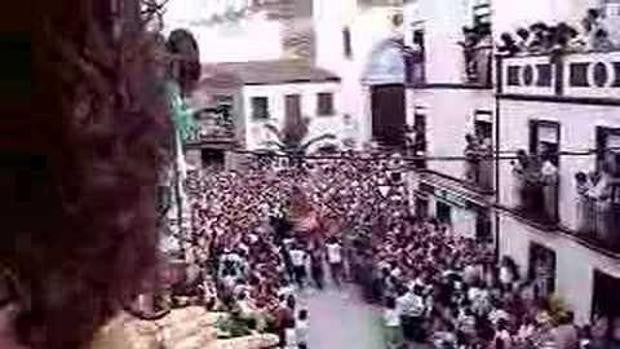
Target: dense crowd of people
(261, 235)
(596, 34)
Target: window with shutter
(325, 104)
(260, 108)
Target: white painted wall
(574, 262)
(577, 132)
(255, 131)
(368, 28)
(251, 38)
(463, 220)
(442, 21)
(449, 117)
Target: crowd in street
(261, 235)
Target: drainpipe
(498, 82)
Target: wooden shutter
(533, 136)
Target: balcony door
(419, 138)
(608, 148)
(542, 270)
(607, 221)
(483, 130)
(444, 212)
(545, 139)
(544, 148)
(212, 159)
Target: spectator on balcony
(472, 155)
(469, 43)
(585, 204)
(599, 195)
(508, 46)
(549, 172)
(562, 35)
(601, 41)
(537, 39)
(528, 182)
(523, 39)
(485, 175)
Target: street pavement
(339, 319)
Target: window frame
(534, 126)
(347, 46)
(602, 134)
(319, 110)
(265, 108)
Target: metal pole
(498, 82)
(177, 190)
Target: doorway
(292, 108)
(605, 300)
(388, 114)
(421, 207)
(444, 213)
(483, 227)
(419, 141)
(213, 159)
(542, 269)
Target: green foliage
(232, 326)
(290, 140)
(558, 308)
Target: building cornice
(294, 81)
(448, 86)
(560, 99)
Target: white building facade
(570, 121)
(445, 103)
(561, 111)
(352, 36)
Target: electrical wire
(373, 158)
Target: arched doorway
(385, 77)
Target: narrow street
(340, 319)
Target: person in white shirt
(246, 308)
(302, 327)
(334, 258)
(298, 259)
(290, 335)
(411, 309)
(391, 319)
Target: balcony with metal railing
(536, 188)
(478, 66)
(478, 166)
(598, 211)
(214, 125)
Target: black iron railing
(479, 170)
(598, 219)
(537, 198)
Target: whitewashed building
(273, 90)
(361, 40)
(357, 44)
(447, 100)
(563, 112)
